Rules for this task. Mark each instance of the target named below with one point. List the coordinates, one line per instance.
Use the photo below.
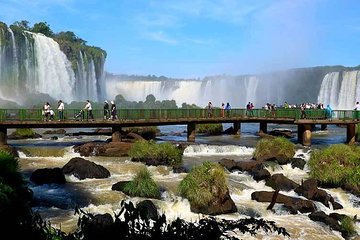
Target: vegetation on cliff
(336, 165)
(156, 154)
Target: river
(56, 203)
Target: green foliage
(8, 164)
(44, 28)
(149, 103)
(24, 132)
(210, 129)
(165, 153)
(142, 185)
(279, 146)
(70, 37)
(198, 186)
(23, 24)
(336, 165)
(347, 226)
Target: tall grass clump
(336, 165)
(279, 147)
(142, 185)
(24, 132)
(210, 129)
(163, 153)
(203, 185)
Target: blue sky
(198, 38)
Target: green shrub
(165, 153)
(278, 146)
(210, 129)
(8, 164)
(336, 165)
(199, 185)
(24, 132)
(142, 185)
(347, 226)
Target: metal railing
(176, 114)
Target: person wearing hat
(106, 110)
(113, 111)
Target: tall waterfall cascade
(32, 63)
(341, 90)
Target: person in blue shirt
(328, 112)
(227, 109)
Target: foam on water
(217, 150)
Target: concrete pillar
(350, 133)
(3, 135)
(323, 127)
(116, 134)
(237, 128)
(304, 134)
(191, 132)
(263, 127)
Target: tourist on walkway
(328, 112)
(227, 109)
(46, 111)
(113, 111)
(88, 109)
(209, 109)
(61, 108)
(222, 110)
(106, 110)
(356, 109)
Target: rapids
(56, 203)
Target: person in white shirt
(88, 108)
(357, 108)
(61, 108)
(46, 110)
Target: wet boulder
(47, 176)
(298, 163)
(82, 169)
(111, 149)
(279, 181)
(119, 186)
(310, 190)
(148, 209)
(293, 204)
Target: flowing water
(56, 203)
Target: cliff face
(34, 63)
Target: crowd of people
(85, 113)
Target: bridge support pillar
(191, 132)
(237, 128)
(116, 134)
(263, 127)
(323, 127)
(304, 134)
(350, 133)
(3, 135)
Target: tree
(23, 24)
(70, 36)
(42, 27)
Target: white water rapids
(56, 203)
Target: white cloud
(161, 36)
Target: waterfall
(54, 70)
(15, 66)
(251, 84)
(348, 90)
(33, 63)
(340, 89)
(329, 89)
